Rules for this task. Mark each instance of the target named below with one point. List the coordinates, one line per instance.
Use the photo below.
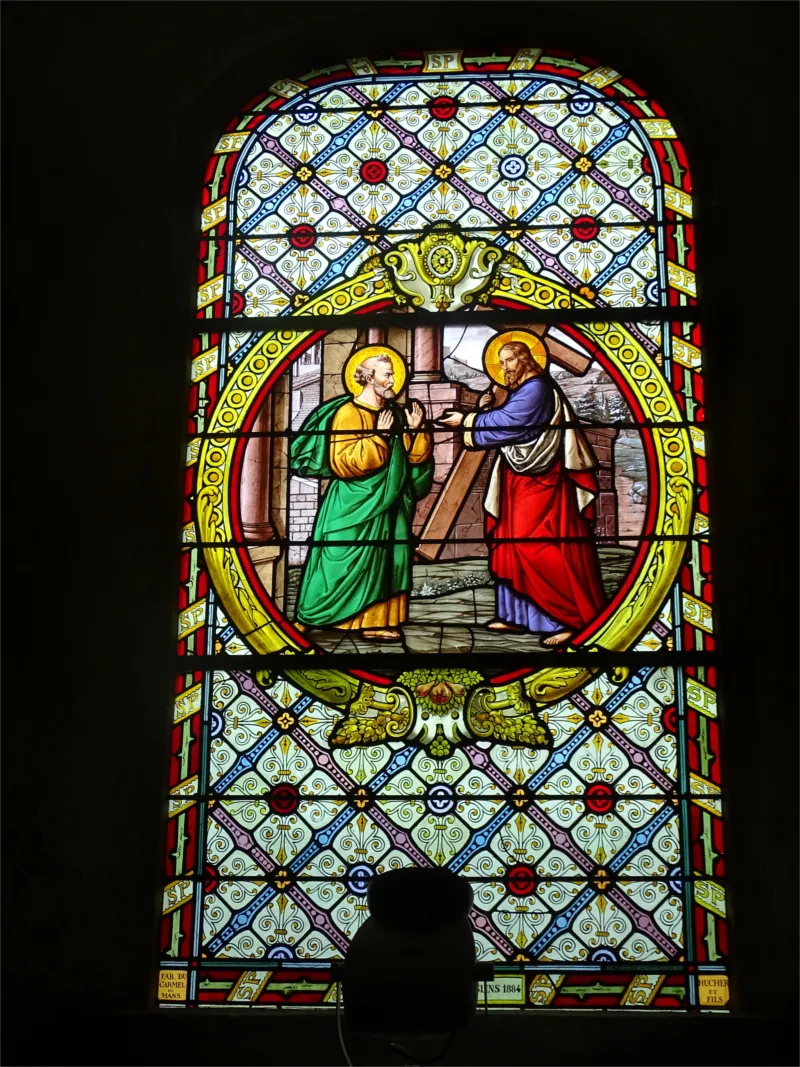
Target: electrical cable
(453, 351)
(400, 1050)
(342, 1045)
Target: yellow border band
(673, 486)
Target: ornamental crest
(443, 271)
(437, 708)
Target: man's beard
(385, 392)
(512, 377)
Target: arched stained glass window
(446, 594)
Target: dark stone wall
(109, 113)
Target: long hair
(524, 355)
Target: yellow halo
(357, 358)
(491, 353)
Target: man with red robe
(539, 500)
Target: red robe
(560, 577)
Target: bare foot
(559, 638)
(381, 635)
(498, 624)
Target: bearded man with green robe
(379, 458)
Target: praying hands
(415, 415)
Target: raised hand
(385, 421)
(486, 399)
(415, 415)
(451, 418)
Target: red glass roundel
(443, 107)
(283, 799)
(521, 881)
(599, 798)
(584, 228)
(374, 171)
(302, 236)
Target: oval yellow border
(674, 486)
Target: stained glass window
(446, 592)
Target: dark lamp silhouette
(410, 970)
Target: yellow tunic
(362, 453)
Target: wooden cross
(467, 466)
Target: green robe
(340, 580)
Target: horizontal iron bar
(391, 108)
(491, 663)
(377, 798)
(648, 424)
(488, 880)
(301, 323)
(503, 229)
(501, 969)
(414, 542)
